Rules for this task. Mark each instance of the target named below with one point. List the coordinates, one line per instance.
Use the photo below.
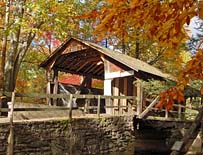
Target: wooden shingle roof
(83, 57)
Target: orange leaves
(201, 90)
(2, 3)
(93, 14)
(200, 7)
(158, 21)
(194, 68)
(168, 98)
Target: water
(134, 150)
(147, 142)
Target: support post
(125, 93)
(87, 105)
(166, 113)
(55, 91)
(179, 111)
(107, 87)
(11, 134)
(98, 105)
(71, 106)
(107, 91)
(116, 93)
(48, 88)
(139, 97)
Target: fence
(131, 104)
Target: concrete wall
(81, 136)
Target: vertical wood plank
(121, 87)
(179, 111)
(55, 91)
(98, 105)
(107, 87)
(139, 97)
(116, 93)
(166, 113)
(107, 91)
(125, 92)
(48, 91)
(71, 106)
(11, 134)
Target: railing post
(166, 113)
(112, 106)
(130, 108)
(11, 134)
(71, 105)
(179, 111)
(87, 104)
(119, 108)
(98, 105)
(190, 104)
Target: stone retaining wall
(62, 137)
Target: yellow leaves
(159, 21)
(193, 70)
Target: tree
(24, 22)
(159, 21)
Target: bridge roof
(84, 57)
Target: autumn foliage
(159, 21)
(169, 97)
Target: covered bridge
(117, 70)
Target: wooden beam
(70, 64)
(83, 65)
(98, 69)
(101, 72)
(81, 96)
(80, 73)
(94, 67)
(149, 108)
(118, 74)
(88, 68)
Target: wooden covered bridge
(118, 72)
(122, 93)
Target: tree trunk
(193, 129)
(4, 44)
(18, 48)
(137, 50)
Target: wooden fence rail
(132, 100)
(70, 97)
(78, 96)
